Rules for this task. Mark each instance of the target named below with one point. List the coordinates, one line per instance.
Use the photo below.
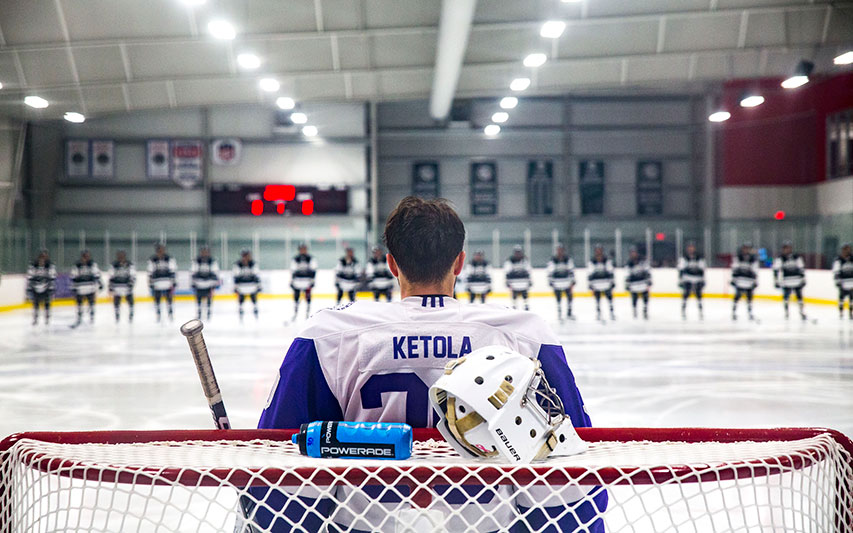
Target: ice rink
(663, 372)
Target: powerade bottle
(355, 440)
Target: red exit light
(279, 207)
(307, 207)
(660, 236)
(780, 215)
(257, 207)
(273, 193)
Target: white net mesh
(800, 485)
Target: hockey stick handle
(192, 331)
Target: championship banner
(649, 188)
(77, 159)
(540, 187)
(591, 180)
(157, 160)
(226, 151)
(484, 188)
(187, 163)
(426, 181)
(103, 165)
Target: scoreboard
(278, 200)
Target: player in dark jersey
(162, 270)
(601, 280)
(379, 277)
(41, 284)
(85, 282)
(247, 281)
(691, 278)
(347, 275)
(561, 277)
(303, 271)
(204, 278)
(789, 273)
(842, 272)
(478, 280)
(744, 278)
(122, 277)
(638, 281)
(518, 276)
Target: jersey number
(417, 396)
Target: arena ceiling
(105, 56)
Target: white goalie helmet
(495, 402)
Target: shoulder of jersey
(525, 323)
(349, 316)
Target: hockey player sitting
(122, 276)
(789, 271)
(205, 278)
(41, 284)
(85, 282)
(639, 280)
(247, 281)
(379, 277)
(601, 280)
(303, 270)
(691, 277)
(561, 277)
(842, 272)
(347, 276)
(478, 281)
(744, 278)
(376, 361)
(517, 269)
(162, 270)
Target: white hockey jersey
(561, 273)
(86, 278)
(600, 277)
(303, 270)
(122, 277)
(162, 272)
(745, 271)
(789, 271)
(518, 274)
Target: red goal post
(786, 479)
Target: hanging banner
(426, 181)
(157, 160)
(102, 159)
(77, 159)
(187, 163)
(591, 180)
(226, 151)
(484, 188)
(649, 188)
(540, 187)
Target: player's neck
(423, 289)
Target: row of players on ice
(789, 276)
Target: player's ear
(459, 263)
(392, 265)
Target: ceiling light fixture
(298, 118)
(36, 101)
(500, 117)
(248, 61)
(800, 76)
(491, 130)
(285, 102)
(509, 102)
(269, 85)
(719, 116)
(552, 29)
(844, 59)
(519, 84)
(221, 29)
(310, 131)
(751, 100)
(1, 85)
(76, 118)
(535, 60)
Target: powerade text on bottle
(355, 440)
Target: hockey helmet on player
(497, 403)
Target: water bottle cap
(294, 438)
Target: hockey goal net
(639, 480)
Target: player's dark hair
(424, 237)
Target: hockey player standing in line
(478, 281)
(639, 280)
(346, 363)
(303, 271)
(379, 277)
(205, 278)
(789, 273)
(161, 278)
(517, 269)
(842, 272)
(85, 282)
(122, 277)
(347, 275)
(601, 280)
(691, 278)
(247, 281)
(561, 277)
(744, 278)
(41, 284)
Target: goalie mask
(497, 403)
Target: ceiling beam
(455, 26)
